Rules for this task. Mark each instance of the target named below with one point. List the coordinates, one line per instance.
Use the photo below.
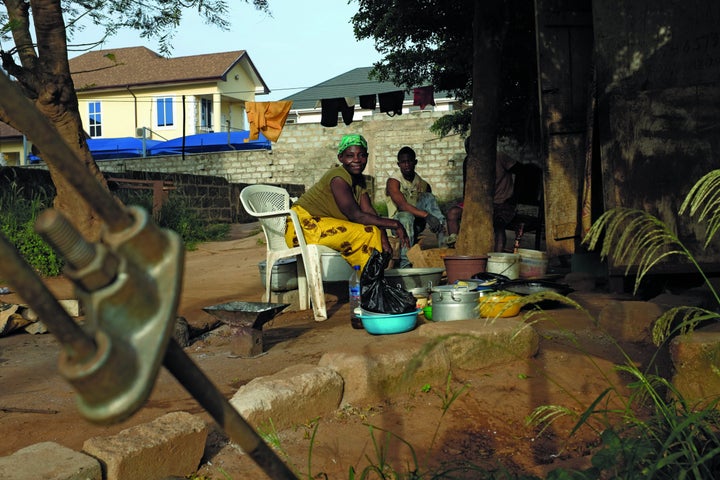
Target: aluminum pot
(451, 302)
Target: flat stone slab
(171, 445)
(292, 396)
(49, 461)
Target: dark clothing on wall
(329, 112)
(391, 102)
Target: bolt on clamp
(129, 286)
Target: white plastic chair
(271, 206)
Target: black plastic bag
(377, 294)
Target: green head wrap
(351, 140)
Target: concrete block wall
(305, 151)
(439, 159)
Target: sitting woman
(337, 211)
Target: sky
(305, 42)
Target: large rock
(377, 370)
(480, 343)
(594, 302)
(629, 321)
(404, 363)
(289, 397)
(171, 445)
(696, 358)
(49, 461)
(700, 297)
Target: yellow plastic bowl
(499, 305)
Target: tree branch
(19, 22)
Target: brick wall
(214, 197)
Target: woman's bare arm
(364, 214)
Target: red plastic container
(463, 267)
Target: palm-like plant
(674, 439)
(640, 240)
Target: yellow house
(14, 149)
(134, 92)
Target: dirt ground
(484, 425)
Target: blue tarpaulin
(211, 142)
(123, 147)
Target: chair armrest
(274, 213)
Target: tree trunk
(476, 231)
(46, 81)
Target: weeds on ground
(18, 214)
(447, 398)
(177, 214)
(17, 220)
(270, 435)
(378, 465)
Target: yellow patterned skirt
(354, 241)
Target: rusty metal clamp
(129, 284)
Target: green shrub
(177, 214)
(18, 214)
(17, 220)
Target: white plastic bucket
(533, 263)
(507, 264)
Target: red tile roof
(136, 66)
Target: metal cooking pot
(452, 302)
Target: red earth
(422, 431)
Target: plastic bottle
(354, 295)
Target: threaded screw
(63, 237)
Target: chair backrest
(271, 206)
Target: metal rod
(197, 383)
(38, 128)
(29, 286)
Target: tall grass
(17, 220)
(178, 214)
(660, 434)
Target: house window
(206, 112)
(165, 112)
(95, 115)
